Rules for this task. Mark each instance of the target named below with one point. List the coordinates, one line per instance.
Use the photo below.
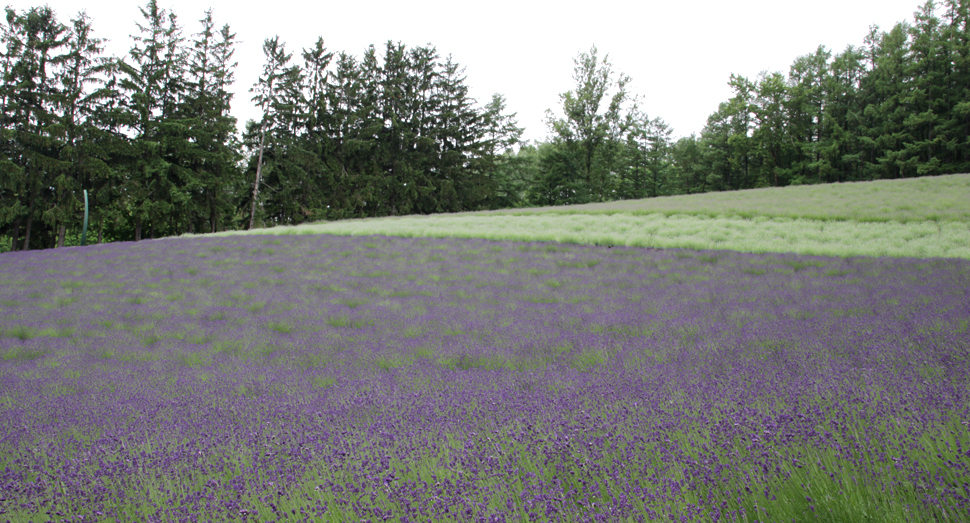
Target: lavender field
(370, 378)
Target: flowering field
(330, 378)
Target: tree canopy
(151, 137)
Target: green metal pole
(84, 231)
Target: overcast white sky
(678, 54)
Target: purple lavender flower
(366, 378)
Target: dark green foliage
(212, 153)
(894, 107)
(588, 139)
(514, 175)
(32, 184)
(648, 159)
(379, 136)
(150, 136)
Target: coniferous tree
(632, 183)
(509, 173)
(647, 159)
(151, 137)
(465, 148)
(30, 91)
(808, 78)
(686, 154)
(926, 97)
(885, 109)
(954, 126)
(156, 184)
(318, 144)
(353, 160)
(728, 141)
(405, 179)
(83, 77)
(657, 135)
(559, 181)
(13, 179)
(291, 177)
(843, 116)
(771, 140)
(212, 153)
(515, 175)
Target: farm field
(371, 378)
(934, 198)
(921, 218)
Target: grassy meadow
(938, 198)
(440, 371)
(921, 218)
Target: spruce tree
(843, 116)
(956, 123)
(926, 98)
(212, 153)
(772, 141)
(508, 173)
(885, 111)
(32, 182)
(83, 78)
(460, 130)
(156, 183)
(317, 139)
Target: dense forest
(151, 139)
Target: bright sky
(679, 55)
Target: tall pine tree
(212, 151)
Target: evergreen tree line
(898, 106)
(151, 139)
(376, 136)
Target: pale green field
(912, 199)
(924, 217)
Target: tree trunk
(15, 235)
(100, 228)
(259, 172)
(212, 212)
(27, 233)
(138, 230)
(60, 235)
(30, 215)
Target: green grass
(937, 198)
(281, 327)
(922, 217)
(21, 332)
(18, 354)
(346, 321)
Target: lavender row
(327, 378)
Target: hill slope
(922, 217)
